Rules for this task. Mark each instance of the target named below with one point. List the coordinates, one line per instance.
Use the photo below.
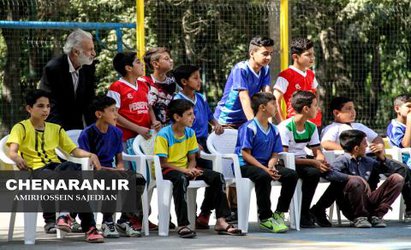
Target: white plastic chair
(84, 162)
(222, 147)
(145, 149)
(30, 218)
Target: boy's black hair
(178, 107)
(300, 99)
(184, 72)
(102, 102)
(401, 99)
(34, 95)
(299, 45)
(121, 60)
(260, 98)
(259, 41)
(337, 103)
(351, 138)
(153, 54)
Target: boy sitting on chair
(258, 145)
(352, 170)
(176, 145)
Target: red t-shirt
(291, 80)
(132, 104)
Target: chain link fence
(362, 47)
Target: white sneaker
(109, 230)
(125, 229)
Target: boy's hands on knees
(21, 163)
(156, 125)
(193, 172)
(273, 172)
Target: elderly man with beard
(70, 78)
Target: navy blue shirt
(104, 145)
(346, 165)
(261, 143)
(202, 113)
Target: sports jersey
(202, 113)
(37, 147)
(105, 145)
(132, 104)
(262, 144)
(175, 149)
(332, 132)
(395, 134)
(296, 140)
(293, 79)
(229, 109)
(160, 95)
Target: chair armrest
(289, 159)
(84, 162)
(206, 156)
(236, 164)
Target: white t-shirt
(332, 132)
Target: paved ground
(396, 236)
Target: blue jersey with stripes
(242, 77)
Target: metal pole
(284, 33)
(140, 36)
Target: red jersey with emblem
(291, 80)
(132, 104)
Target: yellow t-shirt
(175, 149)
(37, 148)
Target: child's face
(346, 114)
(187, 119)
(262, 56)
(403, 110)
(193, 82)
(313, 109)
(360, 150)
(109, 115)
(40, 109)
(270, 108)
(306, 59)
(164, 63)
(138, 68)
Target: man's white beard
(84, 60)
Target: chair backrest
(74, 134)
(223, 144)
(4, 151)
(143, 147)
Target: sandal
(186, 232)
(227, 231)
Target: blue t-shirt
(202, 113)
(261, 143)
(395, 133)
(242, 77)
(104, 145)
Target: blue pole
(62, 25)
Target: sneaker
(272, 226)
(232, 218)
(76, 227)
(64, 223)
(307, 221)
(362, 222)
(320, 217)
(50, 228)
(202, 221)
(109, 230)
(377, 222)
(93, 236)
(278, 222)
(137, 224)
(126, 230)
(407, 217)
